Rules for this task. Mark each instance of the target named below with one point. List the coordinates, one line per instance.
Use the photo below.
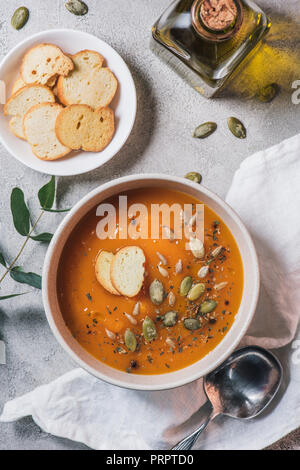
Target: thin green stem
(22, 247)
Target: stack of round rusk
(121, 273)
(60, 102)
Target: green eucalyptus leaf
(31, 279)
(2, 260)
(46, 194)
(56, 210)
(42, 237)
(4, 297)
(20, 212)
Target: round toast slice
(89, 83)
(21, 101)
(43, 63)
(39, 130)
(80, 127)
(102, 271)
(17, 85)
(128, 270)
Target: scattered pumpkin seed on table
(237, 128)
(77, 7)
(20, 18)
(194, 176)
(205, 130)
(268, 93)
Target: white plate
(124, 103)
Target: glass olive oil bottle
(206, 40)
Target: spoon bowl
(242, 387)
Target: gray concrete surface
(168, 111)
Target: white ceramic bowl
(124, 102)
(212, 359)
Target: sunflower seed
(191, 324)
(77, 7)
(130, 340)
(179, 267)
(196, 291)
(194, 176)
(20, 18)
(162, 271)
(185, 286)
(208, 306)
(170, 318)
(221, 285)
(156, 292)
(149, 330)
(162, 258)
(170, 343)
(136, 308)
(237, 128)
(168, 233)
(204, 130)
(216, 252)
(110, 334)
(197, 248)
(203, 272)
(130, 318)
(171, 299)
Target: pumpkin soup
(150, 305)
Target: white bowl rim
(126, 384)
(122, 142)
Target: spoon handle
(188, 442)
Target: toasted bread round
(80, 127)
(43, 63)
(127, 270)
(89, 82)
(38, 128)
(18, 84)
(21, 101)
(102, 270)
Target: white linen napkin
(266, 194)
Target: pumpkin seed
(20, 18)
(208, 306)
(136, 308)
(196, 291)
(130, 340)
(204, 130)
(203, 272)
(149, 330)
(194, 176)
(170, 318)
(268, 93)
(237, 128)
(185, 286)
(197, 248)
(77, 7)
(156, 292)
(192, 324)
(171, 299)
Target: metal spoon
(241, 387)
